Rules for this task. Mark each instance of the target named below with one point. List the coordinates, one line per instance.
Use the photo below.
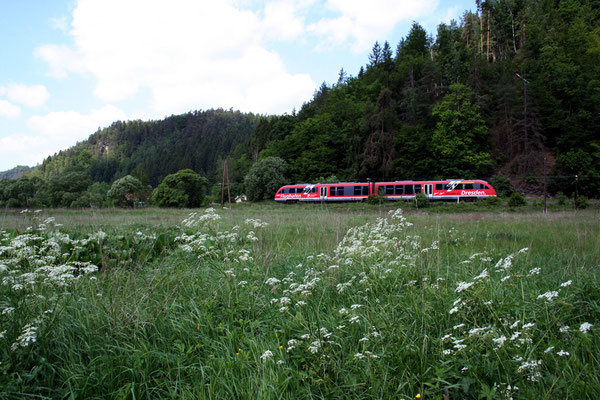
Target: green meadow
(266, 301)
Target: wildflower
(359, 356)
(463, 286)
(562, 353)
(280, 362)
(242, 283)
(418, 396)
(355, 306)
(548, 295)
(280, 347)
(564, 329)
(534, 271)
(585, 327)
(266, 354)
(499, 341)
(458, 326)
(453, 310)
(549, 349)
(504, 279)
(567, 283)
(272, 281)
(354, 319)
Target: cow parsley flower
(585, 327)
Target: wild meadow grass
(303, 301)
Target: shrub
(421, 200)
(491, 202)
(185, 188)
(265, 177)
(581, 202)
(502, 185)
(372, 199)
(561, 198)
(124, 191)
(516, 200)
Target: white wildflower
(548, 295)
(564, 329)
(567, 283)
(535, 271)
(563, 353)
(463, 286)
(499, 341)
(267, 354)
(549, 349)
(585, 327)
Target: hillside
(151, 150)
(15, 173)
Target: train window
(468, 186)
(365, 190)
(313, 190)
(389, 189)
(417, 188)
(439, 186)
(399, 189)
(409, 189)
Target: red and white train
(452, 189)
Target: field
(303, 301)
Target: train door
(323, 193)
(429, 190)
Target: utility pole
(225, 174)
(545, 192)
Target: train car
(343, 191)
(451, 189)
(290, 193)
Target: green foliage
(184, 189)
(374, 200)
(561, 198)
(501, 184)
(460, 138)
(265, 178)
(126, 191)
(421, 201)
(516, 200)
(581, 202)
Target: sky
(71, 67)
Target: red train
(452, 189)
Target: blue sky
(70, 67)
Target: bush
(581, 202)
(502, 185)
(265, 178)
(421, 200)
(516, 200)
(372, 199)
(491, 202)
(125, 191)
(185, 188)
(561, 198)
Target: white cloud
(9, 110)
(29, 96)
(283, 20)
(68, 127)
(363, 22)
(190, 54)
(61, 60)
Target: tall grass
(323, 302)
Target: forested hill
(512, 84)
(152, 150)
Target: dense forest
(511, 90)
